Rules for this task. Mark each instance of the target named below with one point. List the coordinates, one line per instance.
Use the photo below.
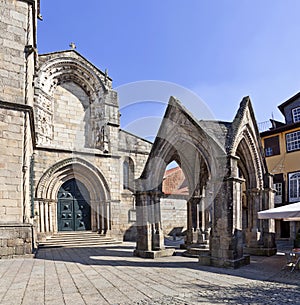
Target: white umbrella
(290, 212)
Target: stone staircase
(77, 240)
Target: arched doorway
(73, 207)
(92, 186)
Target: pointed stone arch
(70, 74)
(253, 189)
(60, 67)
(184, 139)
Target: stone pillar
(254, 234)
(51, 229)
(42, 217)
(189, 231)
(98, 218)
(261, 236)
(55, 221)
(102, 218)
(46, 217)
(107, 216)
(204, 230)
(144, 234)
(226, 239)
(158, 236)
(150, 242)
(203, 212)
(196, 226)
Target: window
(296, 114)
(279, 186)
(272, 146)
(293, 141)
(294, 187)
(128, 174)
(278, 194)
(269, 151)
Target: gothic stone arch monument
(228, 184)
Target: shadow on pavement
(260, 268)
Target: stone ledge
(25, 256)
(154, 254)
(207, 260)
(196, 252)
(15, 225)
(260, 251)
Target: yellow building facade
(282, 150)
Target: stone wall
(70, 118)
(173, 215)
(16, 239)
(11, 134)
(111, 166)
(13, 26)
(16, 66)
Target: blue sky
(220, 49)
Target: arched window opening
(174, 181)
(128, 174)
(174, 202)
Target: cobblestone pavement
(111, 275)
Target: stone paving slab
(111, 275)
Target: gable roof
(289, 101)
(238, 121)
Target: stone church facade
(66, 165)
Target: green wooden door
(74, 210)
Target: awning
(289, 212)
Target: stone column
(107, 216)
(253, 235)
(98, 217)
(260, 239)
(46, 217)
(55, 220)
(189, 231)
(102, 224)
(42, 217)
(158, 237)
(150, 242)
(226, 239)
(51, 229)
(144, 228)
(196, 227)
(93, 207)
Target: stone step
(77, 240)
(196, 251)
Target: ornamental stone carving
(43, 107)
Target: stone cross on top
(72, 45)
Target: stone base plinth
(260, 251)
(196, 252)
(16, 240)
(204, 259)
(154, 254)
(207, 260)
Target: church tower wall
(17, 66)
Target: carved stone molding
(43, 109)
